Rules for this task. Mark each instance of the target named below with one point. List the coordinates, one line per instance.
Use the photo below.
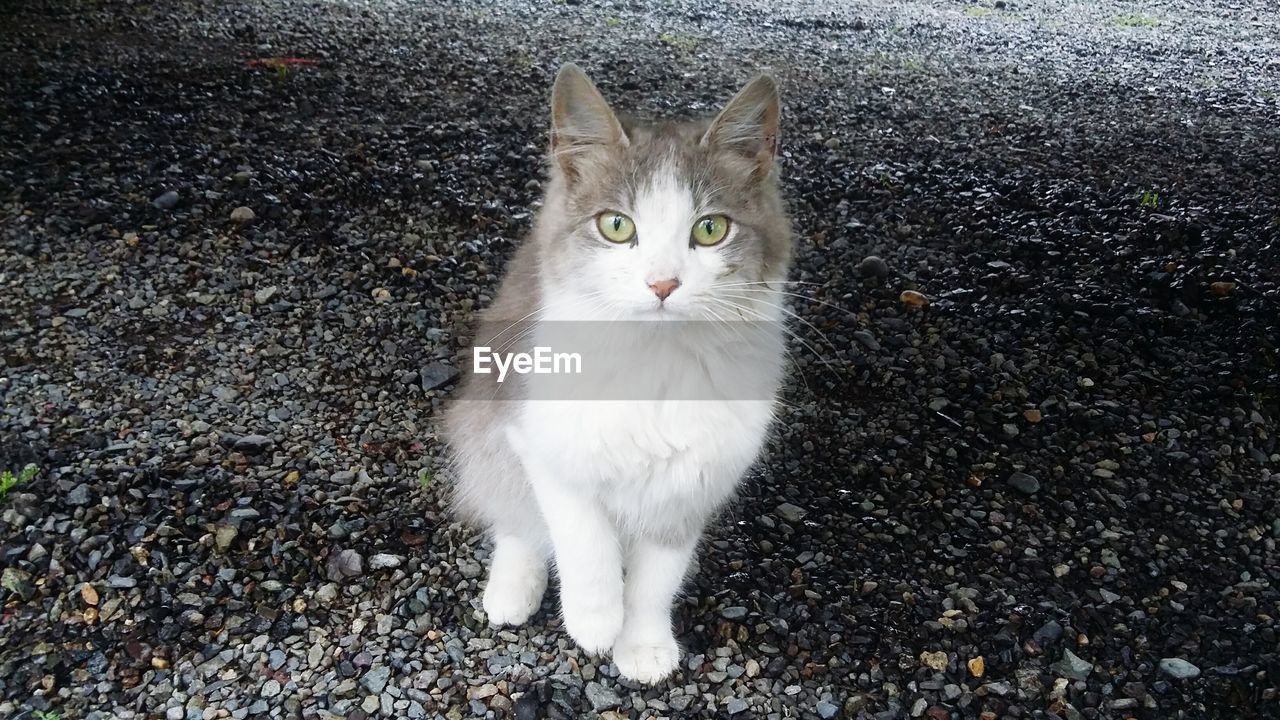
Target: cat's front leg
(517, 575)
(588, 563)
(646, 650)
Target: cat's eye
(616, 227)
(710, 230)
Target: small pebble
(1024, 483)
(167, 200)
(873, 266)
(1178, 668)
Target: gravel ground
(1049, 492)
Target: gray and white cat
(642, 223)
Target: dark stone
(254, 444)
(527, 707)
(1048, 634)
(167, 200)
(1024, 483)
(873, 266)
(437, 375)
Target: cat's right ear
(580, 118)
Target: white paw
(594, 627)
(648, 661)
(512, 595)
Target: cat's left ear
(749, 123)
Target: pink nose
(664, 288)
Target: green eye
(710, 230)
(616, 227)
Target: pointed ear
(749, 123)
(580, 117)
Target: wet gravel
(1034, 474)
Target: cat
(641, 224)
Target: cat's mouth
(663, 312)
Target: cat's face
(666, 221)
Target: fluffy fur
(617, 492)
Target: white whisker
(781, 308)
(764, 318)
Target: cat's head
(665, 220)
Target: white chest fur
(659, 467)
(663, 422)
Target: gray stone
(601, 697)
(343, 565)
(498, 663)
(736, 705)
(873, 266)
(1178, 668)
(1024, 483)
(733, 612)
(384, 560)
(826, 710)
(79, 495)
(242, 215)
(867, 339)
(167, 200)
(262, 296)
(1072, 667)
(790, 512)
(437, 375)
(315, 656)
(470, 570)
(375, 681)
(345, 688)
(1048, 634)
(270, 689)
(224, 536)
(254, 443)
(327, 593)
